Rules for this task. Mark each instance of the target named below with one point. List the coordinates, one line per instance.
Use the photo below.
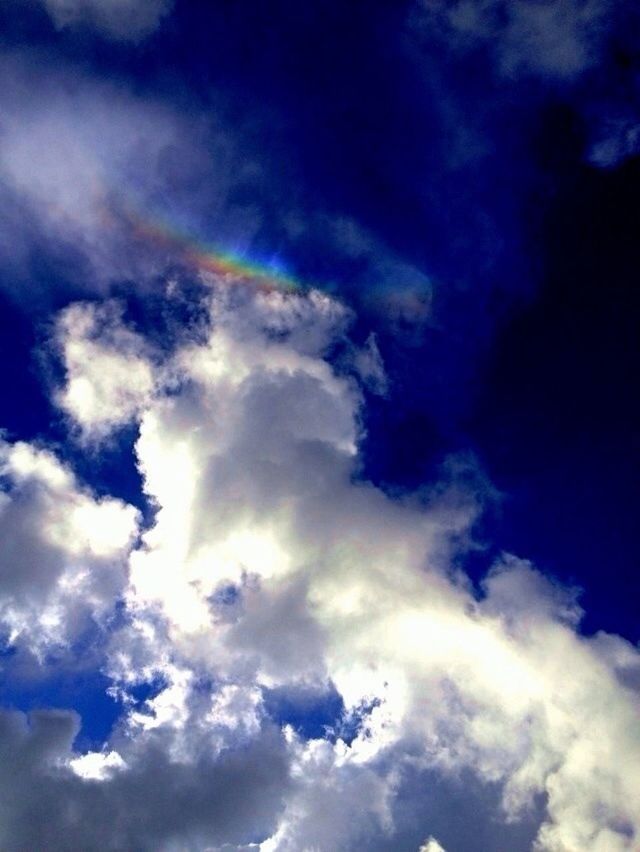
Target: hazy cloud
(558, 40)
(126, 20)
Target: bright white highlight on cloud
(431, 846)
(96, 765)
(109, 377)
(63, 552)
(270, 568)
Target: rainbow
(206, 257)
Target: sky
(319, 422)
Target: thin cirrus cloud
(248, 449)
(108, 186)
(560, 45)
(74, 153)
(121, 20)
(559, 40)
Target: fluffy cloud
(271, 568)
(126, 20)
(268, 565)
(152, 802)
(109, 375)
(63, 554)
(431, 846)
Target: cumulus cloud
(63, 554)
(126, 20)
(269, 565)
(154, 802)
(109, 374)
(431, 845)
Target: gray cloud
(158, 803)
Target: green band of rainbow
(202, 256)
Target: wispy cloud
(558, 40)
(125, 20)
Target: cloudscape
(319, 426)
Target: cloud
(368, 365)
(554, 40)
(152, 802)
(615, 140)
(109, 375)
(109, 188)
(270, 565)
(125, 20)
(567, 46)
(63, 554)
(431, 845)
(83, 164)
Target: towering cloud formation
(272, 582)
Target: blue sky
(319, 462)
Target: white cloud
(109, 374)
(96, 765)
(126, 20)
(268, 564)
(63, 552)
(431, 845)
(335, 803)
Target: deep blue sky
(484, 182)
